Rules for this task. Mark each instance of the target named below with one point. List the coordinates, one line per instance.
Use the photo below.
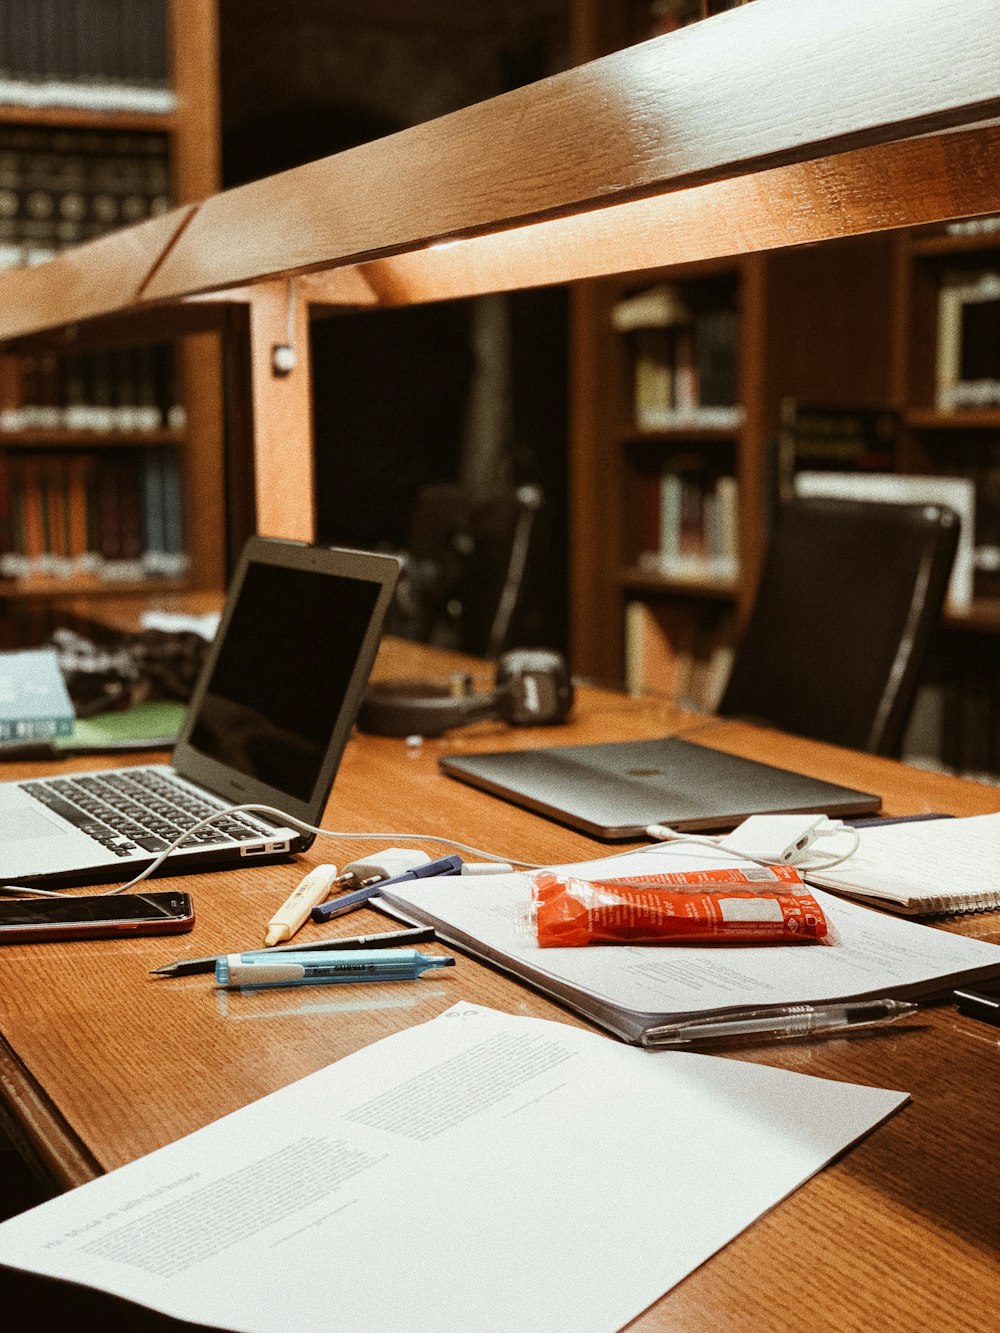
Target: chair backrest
(469, 565)
(848, 598)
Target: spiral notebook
(937, 867)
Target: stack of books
(34, 702)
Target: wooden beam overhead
(777, 123)
(766, 85)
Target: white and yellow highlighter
(294, 911)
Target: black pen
(420, 935)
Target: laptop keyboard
(139, 810)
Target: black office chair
(469, 567)
(848, 598)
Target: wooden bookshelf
(849, 324)
(614, 168)
(121, 262)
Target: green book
(148, 726)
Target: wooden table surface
(101, 1062)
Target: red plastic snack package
(732, 906)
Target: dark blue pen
(447, 865)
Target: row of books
(684, 358)
(133, 390)
(59, 187)
(689, 526)
(851, 452)
(676, 652)
(839, 438)
(114, 513)
(99, 55)
(968, 343)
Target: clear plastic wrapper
(735, 905)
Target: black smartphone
(95, 916)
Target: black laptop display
(267, 723)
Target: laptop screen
(282, 673)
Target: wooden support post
(282, 413)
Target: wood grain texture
(196, 161)
(99, 278)
(770, 83)
(127, 1062)
(282, 414)
(869, 190)
(775, 124)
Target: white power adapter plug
(780, 839)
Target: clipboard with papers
(632, 989)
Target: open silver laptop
(268, 721)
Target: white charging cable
(773, 840)
(765, 840)
(505, 861)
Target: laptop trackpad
(29, 825)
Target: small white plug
(780, 839)
(387, 864)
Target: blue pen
(236, 971)
(447, 865)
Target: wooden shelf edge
(983, 616)
(930, 418)
(36, 438)
(928, 247)
(633, 579)
(696, 434)
(46, 588)
(83, 118)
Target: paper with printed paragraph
(434, 1181)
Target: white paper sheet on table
(477, 1172)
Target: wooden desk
(101, 1062)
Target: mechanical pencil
(779, 1024)
(420, 935)
(236, 971)
(447, 865)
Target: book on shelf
(957, 493)
(114, 513)
(696, 526)
(968, 341)
(60, 186)
(659, 307)
(674, 653)
(96, 55)
(119, 390)
(34, 701)
(684, 359)
(632, 989)
(834, 437)
(988, 225)
(924, 868)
